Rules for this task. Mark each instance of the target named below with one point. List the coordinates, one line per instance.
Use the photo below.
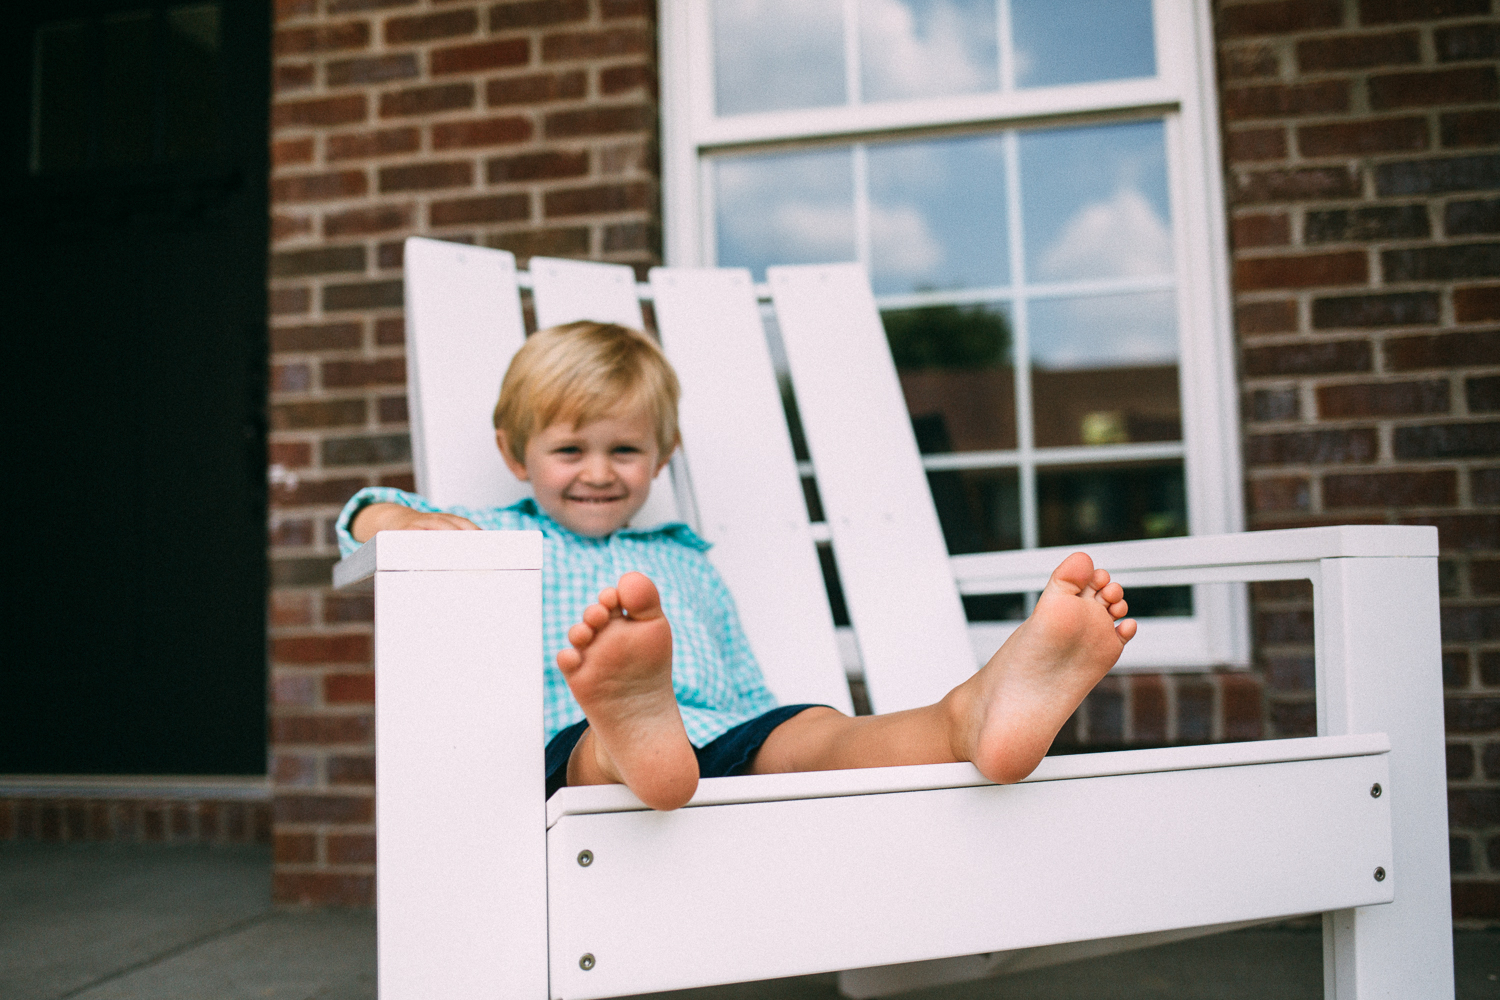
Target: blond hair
(583, 371)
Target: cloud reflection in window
(785, 208)
(1095, 202)
(927, 48)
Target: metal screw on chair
(1375, 790)
(585, 858)
(587, 961)
(1380, 874)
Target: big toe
(1075, 572)
(638, 596)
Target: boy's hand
(394, 517)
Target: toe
(580, 635)
(1126, 629)
(1074, 573)
(596, 616)
(638, 596)
(610, 598)
(569, 660)
(1119, 609)
(1112, 593)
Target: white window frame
(1183, 96)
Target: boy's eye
(567, 449)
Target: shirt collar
(676, 530)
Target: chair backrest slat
(567, 290)
(889, 546)
(463, 323)
(744, 479)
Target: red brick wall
(529, 126)
(135, 819)
(1361, 143)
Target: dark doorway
(133, 238)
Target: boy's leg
(620, 670)
(1003, 718)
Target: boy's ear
(516, 468)
(662, 464)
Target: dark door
(133, 239)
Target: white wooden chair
(911, 876)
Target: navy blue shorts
(721, 757)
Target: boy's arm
(368, 509)
(395, 517)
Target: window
(1033, 186)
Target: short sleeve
(367, 496)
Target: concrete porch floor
(117, 921)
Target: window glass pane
(1104, 370)
(1082, 505)
(64, 65)
(191, 70)
(980, 510)
(1095, 202)
(771, 55)
(995, 607)
(957, 375)
(1160, 602)
(785, 208)
(127, 122)
(927, 48)
(1077, 41)
(937, 215)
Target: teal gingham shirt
(715, 676)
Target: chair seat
(880, 780)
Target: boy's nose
(598, 471)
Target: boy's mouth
(594, 500)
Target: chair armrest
(438, 550)
(461, 891)
(1196, 558)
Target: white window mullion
(861, 165)
(1106, 101)
(1007, 50)
(852, 85)
(708, 251)
(1020, 342)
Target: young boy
(650, 681)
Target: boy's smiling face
(592, 479)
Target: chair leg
(1380, 670)
(460, 804)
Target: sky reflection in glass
(780, 55)
(927, 48)
(785, 208)
(1096, 202)
(1104, 331)
(774, 55)
(937, 215)
(1081, 41)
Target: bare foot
(620, 670)
(1007, 714)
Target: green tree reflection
(951, 336)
